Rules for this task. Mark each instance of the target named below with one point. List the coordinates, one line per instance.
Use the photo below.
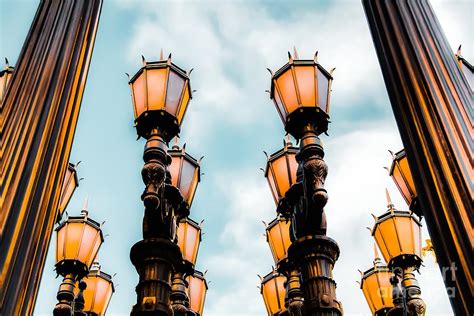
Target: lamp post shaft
(314, 253)
(156, 255)
(432, 104)
(41, 111)
(65, 296)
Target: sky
(230, 121)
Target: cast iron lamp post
(398, 236)
(98, 292)
(161, 92)
(300, 91)
(78, 240)
(376, 286)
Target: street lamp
(398, 236)
(78, 240)
(281, 170)
(376, 286)
(402, 176)
(300, 91)
(278, 237)
(161, 92)
(98, 292)
(5, 76)
(70, 183)
(185, 172)
(197, 289)
(273, 291)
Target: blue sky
(231, 121)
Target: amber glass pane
(156, 83)
(279, 105)
(416, 237)
(60, 243)
(196, 293)
(173, 94)
(271, 182)
(273, 291)
(139, 95)
(4, 80)
(73, 239)
(401, 184)
(183, 105)
(390, 237)
(67, 190)
(188, 179)
(188, 241)
(282, 175)
(293, 164)
(379, 239)
(306, 84)
(323, 86)
(286, 85)
(378, 290)
(90, 244)
(174, 168)
(279, 239)
(370, 289)
(405, 233)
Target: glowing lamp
(160, 93)
(273, 291)
(278, 237)
(189, 238)
(99, 291)
(300, 90)
(281, 170)
(78, 240)
(197, 288)
(70, 184)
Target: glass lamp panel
(60, 243)
(405, 232)
(378, 290)
(173, 93)
(390, 237)
(69, 185)
(306, 84)
(90, 243)
(156, 87)
(416, 237)
(188, 180)
(273, 188)
(323, 87)
(139, 95)
(370, 289)
(4, 80)
(279, 105)
(279, 239)
(188, 240)
(183, 105)
(97, 295)
(73, 237)
(281, 173)
(286, 86)
(174, 169)
(379, 239)
(401, 184)
(197, 289)
(273, 292)
(293, 165)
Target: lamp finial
(389, 200)
(85, 206)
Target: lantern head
(300, 90)
(273, 291)
(278, 238)
(185, 172)
(281, 170)
(189, 238)
(70, 183)
(197, 288)
(5, 76)
(160, 92)
(376, 286)
(99, 291)
(402, 176)
(398, 236)
(78, 240)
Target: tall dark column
(39, 117)
(433, 106)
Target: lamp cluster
(302, 282)
(165, 259)
(85, 289)
(391, 288)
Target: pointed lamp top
(86, 205)
(389, 200)
(377, 259)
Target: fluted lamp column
(160, 93)
(398, 236)
(78, 240)
(300, 91)
(376, 286)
